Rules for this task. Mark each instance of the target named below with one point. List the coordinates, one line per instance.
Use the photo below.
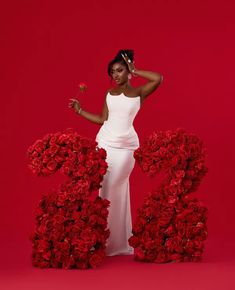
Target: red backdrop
(48, 47)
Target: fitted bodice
(118, 130)
(122, 111)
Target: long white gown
(119, 138)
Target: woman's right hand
(74, 104)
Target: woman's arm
(155, 79)
(91, 117)
(98, 119)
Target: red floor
(216, 271)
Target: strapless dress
(118, 137)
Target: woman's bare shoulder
(107, 91)
(111, 90)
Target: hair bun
(129, 52)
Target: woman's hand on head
(129, 63)
(74, 104)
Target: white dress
(119, 138)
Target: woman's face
(119, 73)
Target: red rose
(104, 212)
(51, 165)
(175, 257)
(68, 262)
(133, 241)
(53, 140)
(139, 253)
(35, 154)
(161, 258)
(30, 149)
(82, 265)
(95, 260)
(93, 219)
(47, 255)
(39, 146)
(81, 170)
(82, 246)
(42, 245)
(82, 87)
(103, 153)
(54, 149)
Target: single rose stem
(77, 94)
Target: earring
(129, 76)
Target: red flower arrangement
(171, 225)
(71, 154)
(70, 230)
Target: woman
(119, 138)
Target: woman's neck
(124, 86)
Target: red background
(48, 47)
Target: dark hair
(119, 58)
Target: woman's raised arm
(155, 79)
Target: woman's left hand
(130, 64)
